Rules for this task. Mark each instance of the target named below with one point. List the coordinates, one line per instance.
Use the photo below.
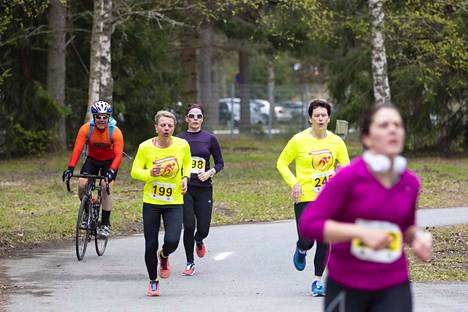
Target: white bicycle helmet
(101, 107)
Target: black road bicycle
(88, 219)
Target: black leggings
(321, 253)
(172, 218)
(198, 205)
(343, 299)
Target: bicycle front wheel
(82, 223)
(100, 243)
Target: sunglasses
(192, 116)
(101, 117)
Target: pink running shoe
(153, 289)
(200, 249)
(164, 269)
(189, 269)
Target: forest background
(57, 57)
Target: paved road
(247, 267)
(441, 217)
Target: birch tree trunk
(379, 57)
(57, 14)
(205, 71)
(100, 70)
(244, 125)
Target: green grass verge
(35, 206)
(450, 259)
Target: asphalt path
(247, 268)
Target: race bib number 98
(198, 164)
(387, 255)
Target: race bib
(198, 164)
(163, 191)
(320, 179)
(388, 255)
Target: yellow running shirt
(175, 162)
(315, 161)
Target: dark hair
(369, 117)
(192, 106)
(319, 103)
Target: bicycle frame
(88, 215)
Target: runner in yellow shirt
(315, 152)
(164, 164)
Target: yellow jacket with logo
(175, 163)
(315, 161)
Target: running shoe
(164, 269)
(200, 249)
(153, 289)
(299, 259)
(103, 231)
(318, 289)
(189, 269)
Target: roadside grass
(444, 181)
(450, 258)
(35, 206)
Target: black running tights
(343, 299)
(172, 219)
(198, 205)
(321, 253)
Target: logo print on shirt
(322, 160)
(169, 166)
(102, 145)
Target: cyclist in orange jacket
(104, 155)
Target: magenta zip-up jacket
(355, 195)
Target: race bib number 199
(163, 191)
(387, 255)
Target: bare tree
(100, 70)
(271, 93)
(107, 15)
(205, 70)
(188, 62)
(56, 69)
(244, 91)
(379, 57)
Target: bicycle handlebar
(90, 176)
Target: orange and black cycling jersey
(100, 147)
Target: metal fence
(273, 110)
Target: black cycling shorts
(93, 166)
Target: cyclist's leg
(106, 198)
(172, 218)
(397, 298)
(89, 167)
(189, 225)
(203, 209)
(151, 222)
(340, 298)
(302, 243)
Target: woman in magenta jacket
(367, 212)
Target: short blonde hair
(164, 113)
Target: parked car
(259, 111)
(288, 110)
